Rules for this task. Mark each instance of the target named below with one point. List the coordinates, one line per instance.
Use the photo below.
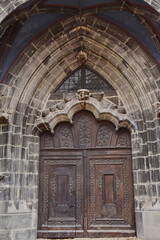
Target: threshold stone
(121, 238)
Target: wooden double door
(85, 180)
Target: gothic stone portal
(85, 180)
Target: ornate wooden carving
(105, 212)
(65, 137)
(85, 189)
(84, 127)
(122, 140)
(61, 190)
(48, 141)
(104, 135)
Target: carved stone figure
(82, 57)
(83, 94)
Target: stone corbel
(5, 116)
(83, 95)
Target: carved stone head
(82, 57)
(83, 94)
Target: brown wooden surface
(85, 180)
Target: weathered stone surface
(15, 221)
(29, 90)
(25, 234)
(151, 224)
(5, 235)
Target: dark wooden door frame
(70, 149)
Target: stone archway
(26, 90)
(63, 115)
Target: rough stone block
(4, 193)
(3, 164)
(154, 163)
(143, 177)
(155, 175)
(151, 233)
(27, 234)
(3, 207)
(152, 219)
(154, 190)
(138, 163)
(5, 235)
(15, 221)
(3, 138)
(139, 224)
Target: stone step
(122, 238)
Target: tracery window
(84, 79)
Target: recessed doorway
(86, 187)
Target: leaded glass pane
(84, 78)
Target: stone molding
(96, 103)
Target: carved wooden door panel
(85, 180)
(110, 203)
(61, 196)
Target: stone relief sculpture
(96, 103)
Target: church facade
(79, 119)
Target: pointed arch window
(84, 78)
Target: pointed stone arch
(117, 69)
(6, 10)
(29, 89)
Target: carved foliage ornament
(48, 141)
(121, 140)
(104, 136)
(100, 107)
(50, 182)
(65, 137)
(84, 126)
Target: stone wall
(26, 91)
